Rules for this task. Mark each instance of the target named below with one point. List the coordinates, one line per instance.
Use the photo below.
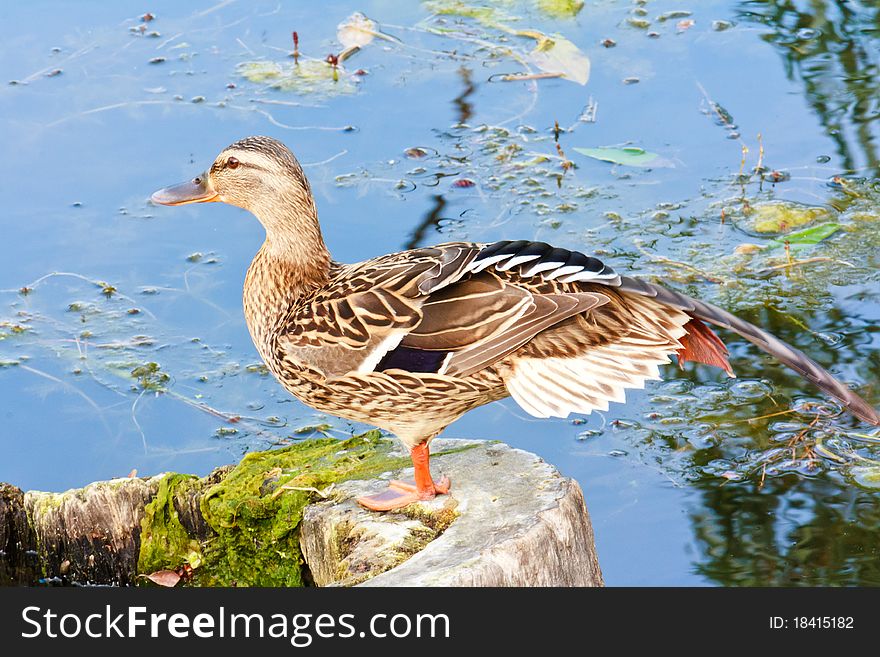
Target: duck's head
(259, 174)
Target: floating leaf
(810, 236)
(150, 376)
(747, 249)
(488, 16)
(559, 55)
(673, 14)
(779, 216)
(166, 578)
(560, 8)
(306, 77)
(552, 54)
(356, 30)
(866, 476)
(313, 428)
(630, 156)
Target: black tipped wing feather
(784, 353)
(570, 266)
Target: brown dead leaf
(166, 578)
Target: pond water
(122, 341)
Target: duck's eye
(232, 163)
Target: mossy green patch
(165, 542)
(254, 511)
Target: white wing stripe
(518, 260)
(563, 271)
(388, 344)
(480, 265)
(579, 276)
(541, 266)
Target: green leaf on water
(559, 55)
(630, 156)
(782, 216)
(560, 8)
(810, 236)
(313, 428)
(866, 476)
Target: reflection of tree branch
(794, 532)
(841, 82)
(432, 219)
(465, 109)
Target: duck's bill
(197, 190)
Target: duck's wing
(428, 310)
(379, 299)
(660, 322)
(563, 330)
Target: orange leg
(400, 494)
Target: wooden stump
(512, 520)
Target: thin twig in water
(327, 161)
(91, 402)
(675, 263)
(279, 124)
(117, 293)
(796, 263)
(136, 423)
(106, 108)
(245, 46)
(760, 163)
(518, 77)
(760, 417)
(231, 418)
(43, 71)
(286, 103)
(169, 40)
(348, 52)
(211, 10)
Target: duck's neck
(292, 262)
(293, 234)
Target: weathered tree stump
(512, 520)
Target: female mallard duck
(411, 341)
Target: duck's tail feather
(795, 359)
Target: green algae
(162, 533)
(782, 216)
(254, 512)
(308, 77)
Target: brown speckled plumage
(412, 340)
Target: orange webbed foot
(388, 500)
(441, 487)
(402, 493)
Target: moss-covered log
(250, 525)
